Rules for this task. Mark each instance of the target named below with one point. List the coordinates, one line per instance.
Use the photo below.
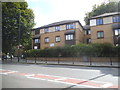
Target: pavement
(18, 75)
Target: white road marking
(60, 80)
(106, 85)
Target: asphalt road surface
(57, 76)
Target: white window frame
(46, 30)
(101, 34)
(69, 37)
(35, 47)
(117, 32)
(36, 40)
(70, 26)
(57, 28)
(47, 40)
(99, 21)
(57, 38)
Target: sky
(50, 11)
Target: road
(57, 76)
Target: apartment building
(105, 28)
(68, 32)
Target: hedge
(97, 50)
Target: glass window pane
(116, 32)
(46, 39)
(35, 47)
(99, 21)
(98, 34)
(119, 32)
(46, 30)
(57, 28)
(57, 39)
(66, 37)
(116, 19)
(70, 26)
(102, 34)
(72, 37)
(89, 31)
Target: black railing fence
(83, 60)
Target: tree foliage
(16, 16)
(101, 9)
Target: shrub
(99, 50)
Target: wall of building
(52, 34)
(108, 34)
(52, 39)
(79, 33)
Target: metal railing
(68, 61)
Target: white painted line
(62, 78)
(30, 75)
(3, 73)
(62, 82)
(106, 85)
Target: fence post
(110, 58)
(58, 60)
(90, 60)
(73, 60)
(11, 57)
(35, 59)
(46, 60)
(110, 61)
(26, 58)
(59, 57)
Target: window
(116, 19)
(88, 32)
(57, 39)
(37, 41)
(35, 47)
(88, 40)
(99, 21)
(46, 39)
(46, 30)
(37, 32)
(100, 34)
(117, 32)
(116, 44)
(57, 28)
(69, 37)
(70, 26)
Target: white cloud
(58, 10)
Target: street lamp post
(19, 36)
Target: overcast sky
(50, 11)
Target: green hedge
(104, 50)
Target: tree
(17, 20)
(101, 9)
